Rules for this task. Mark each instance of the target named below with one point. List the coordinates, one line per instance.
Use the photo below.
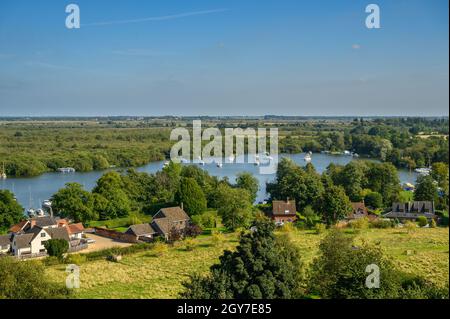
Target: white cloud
(356, 46)
(160, 18)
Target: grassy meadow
(148, 275)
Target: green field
(143, 275)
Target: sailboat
(3, 174)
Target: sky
(224, 57)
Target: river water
(30, 192)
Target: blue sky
(220, 57)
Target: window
(42, 234)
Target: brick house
(283, 211)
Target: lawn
(144, 275)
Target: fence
(113, 234)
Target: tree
(56, 247)
(111, 187)
(248, 182)
(27, 280)
(343, 270)
(374, 200)
(262, 266)
(383, 178)
(10, 210)
(234, 206)
(335, 204)
(303, 185)
(74, 202)
(192, 196)
(340, 270)
(426, 189)
(353, 178)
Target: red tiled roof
(75, 228)
(18, 227)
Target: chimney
(287, 199)
(182, 206)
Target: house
(142, 231)
(359, 210)
(75, 231)
(5, 244)
(30, 243)
(283, 211)
(168, 218)
(412, 210)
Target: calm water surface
(30, 192)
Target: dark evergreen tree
(263, 266)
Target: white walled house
(30, 243)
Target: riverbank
(30, 192)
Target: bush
(359, 224)
(381, 223)
(27, 280)
(76, 259)
(410, 227)
(320, 228)
(159, 249)
(433, 223)
(422, 221)
(192, 230)
(287, 228)
(189, 244)
(56, 247)
(216, 238)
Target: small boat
(201, 162)
(66, 170)
(348, 153)
(219, 165)
(423, 171)
(257, 163)
(166, 163)
(307, 158)
(47, 203)
(355, 154)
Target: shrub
(189, 244)
(359, 224)
(433, 223)
(287, 228)
(381, 223)
(56, 247)
(422, 221)
(76, 259)
(410, 227)
(320, 228)
(216, 238)
(27, 280)
(192, 230)
(159, 249)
